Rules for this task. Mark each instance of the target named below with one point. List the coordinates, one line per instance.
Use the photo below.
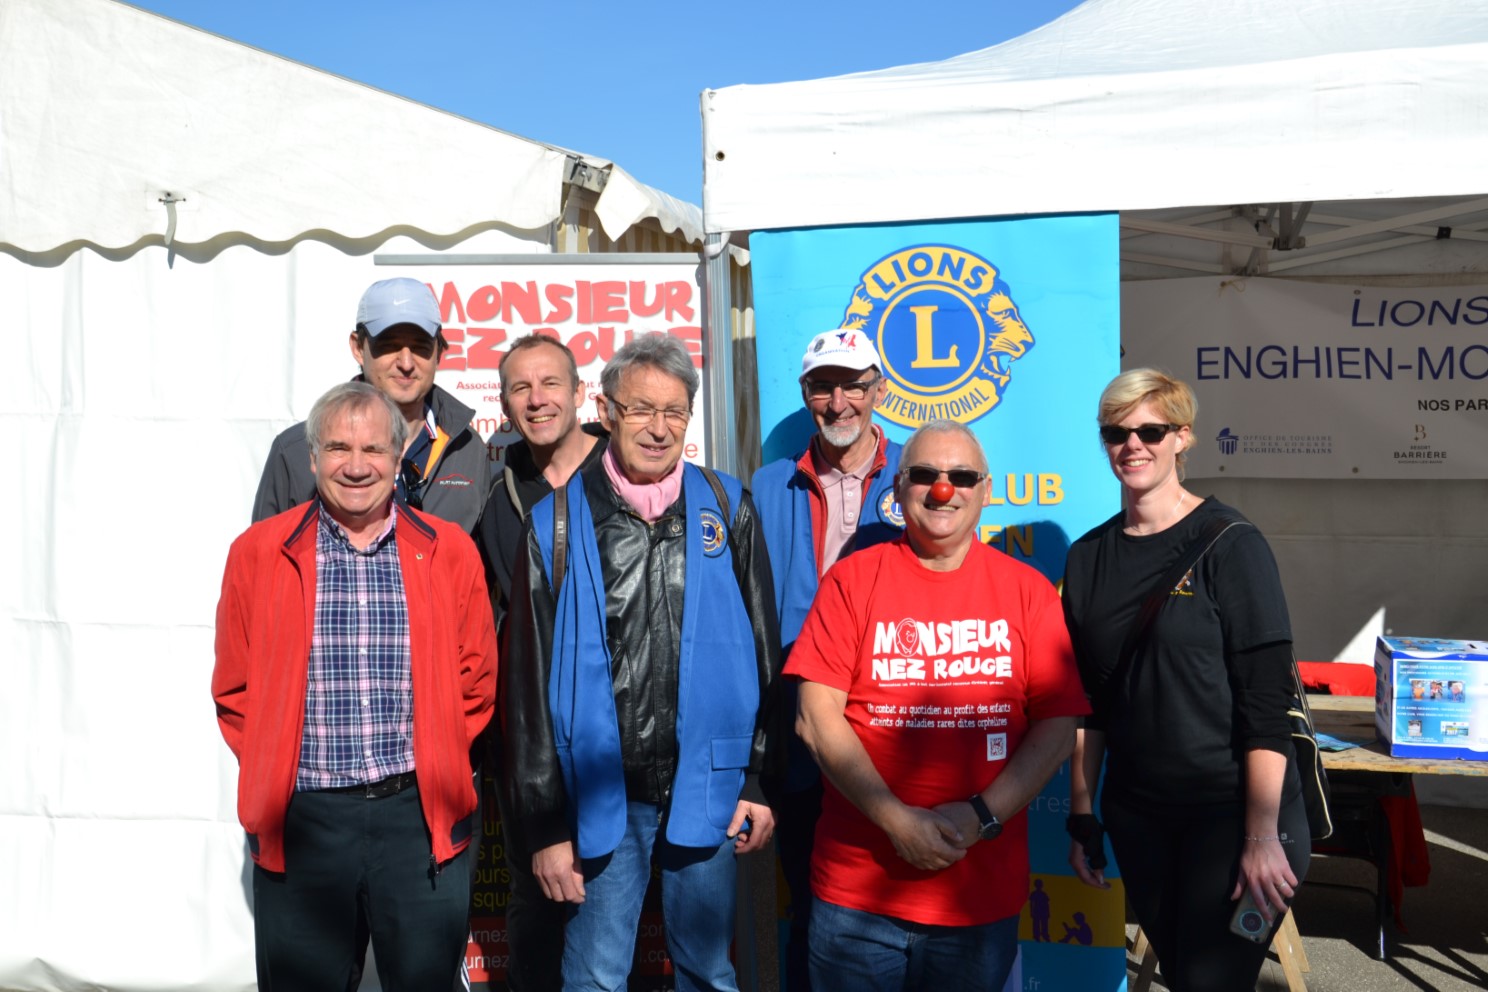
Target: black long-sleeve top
(1212, 677)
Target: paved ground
(1446, 949)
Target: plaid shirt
(359, 694)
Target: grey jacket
(457, 486)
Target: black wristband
(1086, 829)
(1078, 825)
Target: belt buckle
(390, 786)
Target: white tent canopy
(1121, 105)
(1333, 140)
(107, 111)
(152, 382)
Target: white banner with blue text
(1313, 381)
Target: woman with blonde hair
(1181, 633)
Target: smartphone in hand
(1248, 922)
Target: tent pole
(722, 450)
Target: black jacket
(499, 533)
(643, 577)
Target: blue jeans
(697, 904)
(854, 951)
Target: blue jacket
(718, 688)
(792, 511)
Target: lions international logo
(890, 510)
(714, 536)
(947, 328)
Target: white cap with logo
(844, 348)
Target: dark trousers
(795, 833)
(534, 923)
(350, 862)
(1179, 868)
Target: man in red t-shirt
(939, 694)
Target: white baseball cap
(843, 348)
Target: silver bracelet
(1257, 840)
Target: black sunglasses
(1147, 433)
(411, 482)
(924, 475)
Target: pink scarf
(648, 499)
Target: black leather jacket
(643, 577)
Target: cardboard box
(1431, 697)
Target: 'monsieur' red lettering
(678, 299)
(638, 304)
(521, 298)
(558, 295)
(450, 309)
(609, 303)
(484, 304)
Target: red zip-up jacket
(265, 619)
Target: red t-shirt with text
(944, 671)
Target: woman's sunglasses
(1147, 433)
(924, 475)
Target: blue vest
(718, 690)
(783, 496)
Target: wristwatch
(990, 826)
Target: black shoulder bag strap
(1163, 589)
(722, 497)
(510, 479)
(560, 535)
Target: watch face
(991, 829)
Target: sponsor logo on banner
(1420, 450)
(946, 326)
(1231, 443)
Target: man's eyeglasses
(1147, 433)
(961, 478)
(821, 389)
(638, 415)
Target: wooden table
(1351, 718)
(1360, 777)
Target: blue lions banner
(1008, 326)
(1011, 327)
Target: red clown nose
(942, 491)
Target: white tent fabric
(151, 384)
(1121, 105)
(107, 110)
(1319, 139)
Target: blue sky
(618, 80)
